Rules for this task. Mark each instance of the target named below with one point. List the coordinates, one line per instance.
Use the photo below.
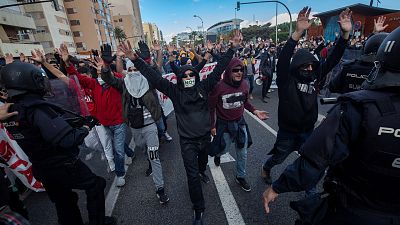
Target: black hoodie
(298, 105)
(190, 104)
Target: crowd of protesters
(118, 90)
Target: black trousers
(59, 183)
(266, 85)
(195, 159)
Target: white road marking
(270, 129)
(112, 196)
(232, 212)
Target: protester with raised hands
(296, 77)
(190, 99)
(108, 111)
(141, 109)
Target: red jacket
(108, 105)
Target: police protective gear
(387, 66)
(21, 78)
(376, 157)
(371, 47)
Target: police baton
(326, 101)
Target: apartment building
(16, 31)
(151, 33)
(91, 24)
(52, 27)
(127, 16)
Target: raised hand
(63, 52)
(22, 57)
(379, 25)
(303, 22)
(38, 56)
(170, 48)
(345, 23)
(98, 64)
(106, 54)
(144, 51)
(4, 114)
(210, 46)
(127, 50)
(237, 38)
(9, 58)
(156, 45)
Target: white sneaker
(169, 138)
(120, 181)
(111, 166)
(128, 160)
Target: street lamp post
(290, 14)
(202, 27)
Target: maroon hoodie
(228, 100)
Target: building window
(37, 15)
(68, 0)
(47, 44)
(78, 34)
(79, 44)
(75, 22)
(71, 10)
(61, 20)
(120, 20)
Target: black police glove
(91, 121)
(106, 54)
(144, 51)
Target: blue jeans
(119, 133)
(241, 153)
(286, 143)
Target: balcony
(17, 48)
(15, 18)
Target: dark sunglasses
(237, 70)
(190, 74)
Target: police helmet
(387, 65)
(371, 47)
(21, 78)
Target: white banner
(166, 103)
(17, 161)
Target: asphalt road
(137, 202)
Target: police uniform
(359, 142)
(354, 72)
(52, 146)
(350, 78)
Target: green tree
(119, 34)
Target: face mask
(189, 82)
(306, 75)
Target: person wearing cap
(359, 143)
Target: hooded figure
(227, 103)
(193, 81)
(298, 67)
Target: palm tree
(119, 34)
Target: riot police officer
(52, 145)
(359, 142)
(354, 72)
